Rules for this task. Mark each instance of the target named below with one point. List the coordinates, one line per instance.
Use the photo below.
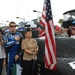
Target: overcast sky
(61, 6)
(10, 9)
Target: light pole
(38, 13)
(21, 18)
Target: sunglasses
(12, 26)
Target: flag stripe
(48, 49)
(42, 21)
(51, 35)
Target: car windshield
(69, 16)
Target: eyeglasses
(12, 26)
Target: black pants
(1, 65)
(29, 67)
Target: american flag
(50, 45)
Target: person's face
(28, 34)
(62, 31)
(12, 27)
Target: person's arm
(4, 62)
(20, 51)
(36, 50)
(28, 51)
(7, 41)
(24, 48)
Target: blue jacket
(11, 44)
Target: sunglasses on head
(12, 26)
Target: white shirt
(2, 52)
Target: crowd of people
(65, 32)
(16, 49)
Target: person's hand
(17, 38)
(35, 51)
(4, 42)
(16, 57)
